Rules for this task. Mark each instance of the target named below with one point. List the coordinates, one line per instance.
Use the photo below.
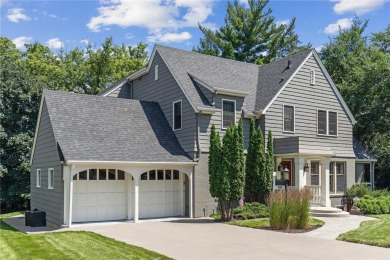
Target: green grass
(65, 245)
(264, 222)
(372, 232)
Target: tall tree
(270, 166)
(360, 67)
(251, 34)
(214, 163)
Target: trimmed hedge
(251, 211)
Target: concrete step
(327, 212)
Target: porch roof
(361, 153)
(96, 128)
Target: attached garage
(108, 194)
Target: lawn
(65, 245)
(372, 232)
(264, 222)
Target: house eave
(207, 110)
(127, 163)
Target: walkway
(334, 226)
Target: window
(50, 179)
(144, 176)
(176, 174)
(337, 177)
(332, 123)
(152, 175)
(168, 174)
(102, 174)
(327, 123)
(228, 113)
(363, 173)
(83, 176)
(288, 118)
(111, 174)
(160, 174)
(312, 77)
(177, 115)
(121, 175)
(315, 173)
(156, 72)
(321, 126)
(39, 178)
(92, 174)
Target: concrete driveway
(204, 239)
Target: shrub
(251, 211)
(291, 215)
(374, 205)
(357, 190)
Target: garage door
(160, 194)
(99, 195)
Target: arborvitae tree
(238, 176)
(214, 162)
(261, 161)
(250, 169)
(270, 164)
(251, 34)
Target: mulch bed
(310, 228)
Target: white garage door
(99, 195)
(161, 194)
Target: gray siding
(122, 92)
(165, 91)
(46, 156)
(205, 205)
(206, 121)
(307, 99)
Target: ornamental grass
(293, 214)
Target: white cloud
(85, 41)
(319, 48)
(21, 41)
(211, 26)
(334, 27)
(170, 37)
(357, 6)
(159, 17)
(278, 23)
(54, 43)
(244, 2)
(16, 14)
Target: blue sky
(69, 24)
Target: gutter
(197, 140)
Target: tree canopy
(251, 34)
(360, 67)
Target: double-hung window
(228, 113)
(50, 179)
(315, 173)
(288, 118)
(337, 177)
(177, 118)
(39, 177)
(327, 123)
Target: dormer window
(156, 72)
(312, 77)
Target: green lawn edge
(65, 245)
(264, 222)
(370, 232)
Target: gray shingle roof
(94, 128)
(262, 82)
(360, 152)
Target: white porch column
(300, 180)
(181, 189)
(278, 174)
(136, 198)
(65, 178)
(191, 212)
(325, 199)
(128, 184)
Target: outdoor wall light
(306, 167)
(286, 175)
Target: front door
(288, 164)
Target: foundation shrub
(374, 205)
(291, 215)
(251, 211)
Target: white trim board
(37, 128)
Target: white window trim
(235, 113)
(335, 177)
(312, 77)
(327, 123)
(156, 72)
(49, 179)
(39, 178)
(286, 131)
(173, 115)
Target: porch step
(327, 212)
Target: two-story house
(140, 148)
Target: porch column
(136, 198)
(182, 204)
(65, 178)
(300, 180)
(372, 177)
(191, 212)
(278, 174)
(325, 199)
(128, 184)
